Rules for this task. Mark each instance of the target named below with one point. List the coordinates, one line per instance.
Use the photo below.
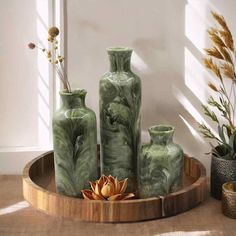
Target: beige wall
(167, 37)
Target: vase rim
(119, 49)
(161, 129)
(77, 91)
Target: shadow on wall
(168, 38)
(175, 85)
(169, 95)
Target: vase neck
(119, 59)
(74, 99)
(161, 134)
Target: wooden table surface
(18, 218)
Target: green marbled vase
(75, 144)
(160, 163)
(120, 101)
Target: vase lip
(118, 49)
(227, 187)
(74, 92)
(161, 129)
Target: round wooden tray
(39, 191)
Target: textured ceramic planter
(229, 199)
(75, 144)
(120, 101)
(160, 163)
(222, 171)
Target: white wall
(25, 101)
(167, 37)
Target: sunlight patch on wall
(188, 106)
(194, 76)
(192, 130)
(60, 21)
(43, 19)
(139, 64)
(44, 76)
(195, 23)
(192, 110)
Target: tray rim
(27, 180)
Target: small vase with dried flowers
(74, 130)
(221, 106)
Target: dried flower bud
(49, 54)
(55, 48)
(228, 70)
(56, 61)
(213, 67)
(50, 39)
(213, 87)
(53, 31)
(31, 45)
(60, 58)
(225, 33)
(208, 62)
(214, 52)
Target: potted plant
(74, 129)
(221, 107)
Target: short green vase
(120, 101)
(160, 164)
(75, 144)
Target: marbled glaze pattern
(75, 144)
(120, 101)
(160, 164)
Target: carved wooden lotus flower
(107, 188)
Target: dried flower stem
(53, 57)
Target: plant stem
(60, 65)
(59, 69)
(61, 78)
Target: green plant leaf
(222, 151)
(231, 141)
(228, 129)
(221, 133)
(209, 113)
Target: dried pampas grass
(220, 61)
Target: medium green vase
(75, 144)
(120, 101)
(160, 163)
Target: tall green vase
(75, 144)
(120, 101)
(160, 163)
